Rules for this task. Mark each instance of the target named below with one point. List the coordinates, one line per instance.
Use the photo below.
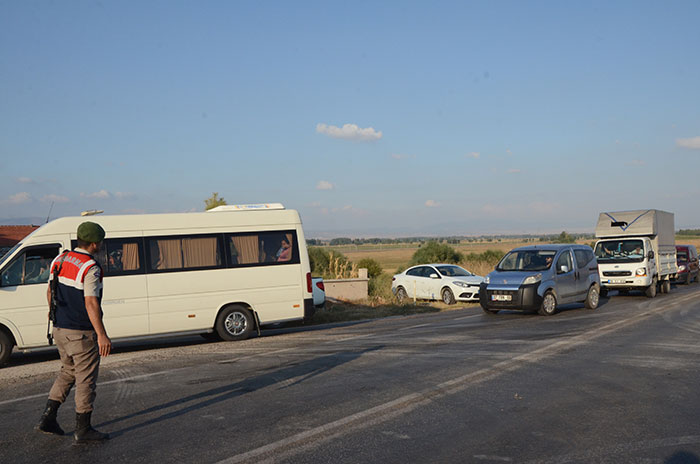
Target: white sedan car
(446, 282)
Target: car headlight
(681, 267)
(459, 283)
(533, 279)
(487, 280)
(642, 271)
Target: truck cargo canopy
(650, 223)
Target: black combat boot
(84, 433)
(48, 423)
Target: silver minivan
(539, 278)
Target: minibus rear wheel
(234, 323)
(6, 345)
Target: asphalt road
(615, 385)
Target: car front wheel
(448, 297)
(549, 304)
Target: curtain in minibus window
(200, 252)
(130, 257)
(166, 254)
(245, 249)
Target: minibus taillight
(320, 285)
(309, 288)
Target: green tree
(564, 237)
(434, 252)
(214, 201)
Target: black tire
(490, 312)
(6, 345)
(234, 323)
(448, 297)
(666, 286)
(549, 304)
(650, 292)
(604, 292)
(211, 336)
(401, 295)
(593, 297)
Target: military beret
(90, 232)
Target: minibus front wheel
(234, 323)
(6, 345)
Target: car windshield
(682, 256)
(453, 271)
(527, 260)
(620, 251)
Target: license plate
(616, 281)
(501, 297)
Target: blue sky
(370, 118)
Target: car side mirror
(563, 269)
(434, 276)
(650, 255)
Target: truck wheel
(651, 289)
(549, 304)
(6, 345)
(666, 286)
(234, 323)
(593, 297)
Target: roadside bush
(373, 267)
(380, 286)
(434, 252)
(331, 265)
(482, 263)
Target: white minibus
(223, 272)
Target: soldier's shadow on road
(287, 377)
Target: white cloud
(636, 162)
(513, 171)
(474, 155)
(432, 204)
(53, 198)
(102, 194)
(692, 143)
(25, 180)
(324, 185)
(399, 156)
(494, 210)
(543, 208)
(123, 195)
(315, 204)
(19, 198)
(509, 152)
(349, 132)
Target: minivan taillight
(308, 283)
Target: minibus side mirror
(650, 255)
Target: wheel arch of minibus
(10, 329)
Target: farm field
(393, 256)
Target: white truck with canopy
(636, 250)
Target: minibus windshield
(4, 257)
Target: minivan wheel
(650, 292)
(234, 323)
(401, 295)
(6, 345)
(593, 297)
(490, 311)
(447, 297)
(549, 304)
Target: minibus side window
(262, 248)
(30, 267)
(184, 253)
